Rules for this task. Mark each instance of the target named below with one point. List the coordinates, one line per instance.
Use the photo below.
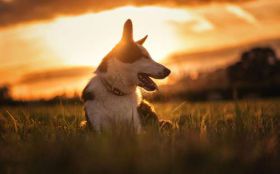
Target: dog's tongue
(147, 83)
(151, 86)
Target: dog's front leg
(93, 119)
(137, 123)
(96, 124)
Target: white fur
(108, 109)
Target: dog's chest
(107, 108)
(122, 107)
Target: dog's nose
(166, 72)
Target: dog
(112, 96)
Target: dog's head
(133, 61)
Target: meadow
(207, 137)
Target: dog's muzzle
(147, 83)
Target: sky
(51, 47)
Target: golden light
(182, 32)
(241, 13)
(84, 40)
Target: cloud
(55, 75)
(19, 11)
(215, 58)
(241, 13)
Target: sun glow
(84, 40)
(241, 13)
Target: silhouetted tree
(257, 72)
(257, 65)
(5, 94)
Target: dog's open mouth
(146, 82)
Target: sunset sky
(51, 47)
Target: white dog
(111, 96)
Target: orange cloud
(55, 75)
(19, 11)
(48, 83)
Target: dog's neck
(116, 81)
(110, 88)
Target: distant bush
(257, 66)
(5, 94)
(255, 75)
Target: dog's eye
(147, 57)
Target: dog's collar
(111, 88)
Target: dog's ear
(141, 41)
(127, 31)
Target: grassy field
(210, 137)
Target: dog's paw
(147, 115)
(165, 125)
(83, 124)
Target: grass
(210, 137)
